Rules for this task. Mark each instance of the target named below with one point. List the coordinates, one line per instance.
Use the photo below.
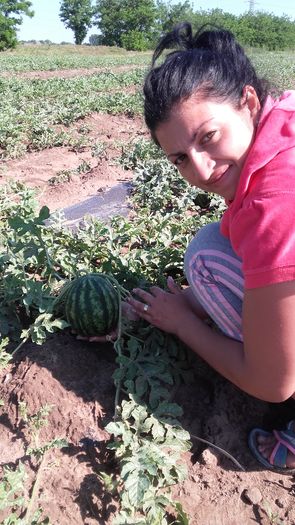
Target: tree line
(138, 24)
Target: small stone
(7, 378)
(209, 457)
(253, 495)
(195, 478)
(280, 503)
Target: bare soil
(76, 379)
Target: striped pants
(214, 273)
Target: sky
(46, 24)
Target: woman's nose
(202, 164)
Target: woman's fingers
(172, 286)
(141, 307)
(129, 312)
(144, 296)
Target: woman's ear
(250, 100)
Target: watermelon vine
(37, 259)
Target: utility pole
(251, 6)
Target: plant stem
(29, 511)
(19, 346)
(117, 347)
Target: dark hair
(211, 64)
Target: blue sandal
(285, 441)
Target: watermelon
(91, 304)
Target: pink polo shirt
(260, 221)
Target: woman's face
(209, 141)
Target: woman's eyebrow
(177, 153)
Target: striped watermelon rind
(92, 305)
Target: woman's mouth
(217, 177)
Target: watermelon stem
(122, 292)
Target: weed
(273, 517)
(61, 177)
(12, 486)
(83, 168)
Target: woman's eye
(179, 160)
(208, 137)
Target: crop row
(31, 110)
(16, 63)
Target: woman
(212, 116)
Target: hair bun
(180, 37)
(216, 40)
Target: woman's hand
(163, 309)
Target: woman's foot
(275, 450)
(266, 445)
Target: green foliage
(34, 423)
(11, 12)
(148, 437)
(5, 357)
(117, 18)
(266, 30)
(95, 40)
(257, 29)
(77, 15)
(135, 41)
(148, 450)
(159, 188)
(168, 14)
(12, 483)
(26, 268)
(122, 24)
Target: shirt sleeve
(263, 235)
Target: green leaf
(136, 485)
(141, 386)
(182, 516)
(168, 409)
(12, 484)
(44, 213)
(116, 429)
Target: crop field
(52, 57)
(137, 432)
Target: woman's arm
(264, 366)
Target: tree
(169, 15)
(11, 12)
(77, 15)
(95, 40)
(126, 20)
(266, 30)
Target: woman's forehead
(197, 111)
